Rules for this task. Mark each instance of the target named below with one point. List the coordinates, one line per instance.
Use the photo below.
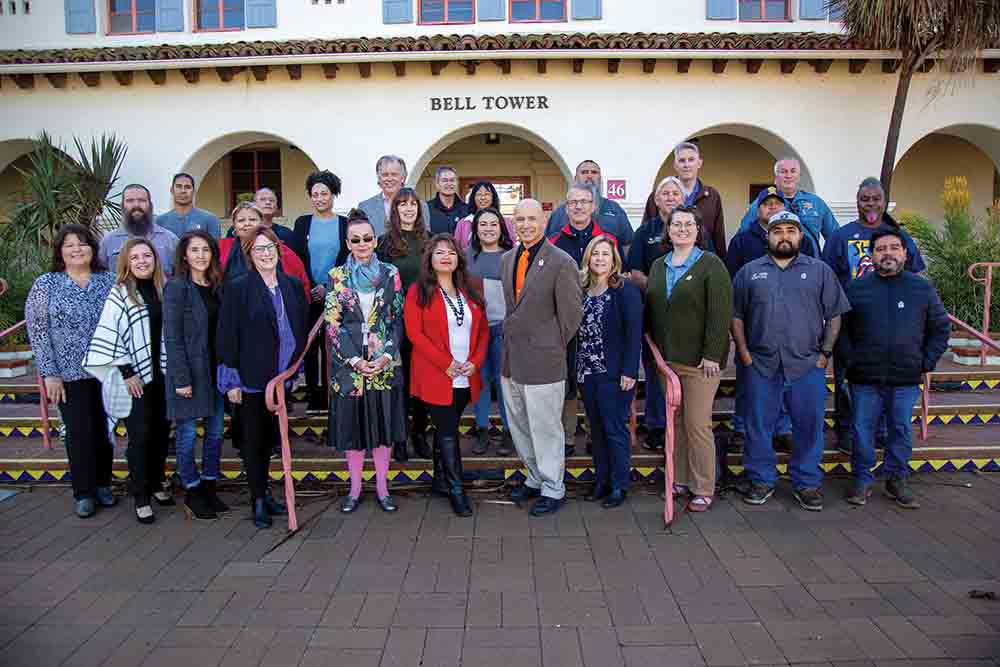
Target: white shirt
(459, 337)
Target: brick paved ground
(739, 585)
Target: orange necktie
(522, 271)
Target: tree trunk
(906, 69)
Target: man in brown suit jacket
(541, 285)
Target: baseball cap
(786, 217)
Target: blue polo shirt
(196, 219)
(784, 312)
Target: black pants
(317, 374)
(88, 445)
(415, 408)
(446, 417)
(148, 435)
(260, 435)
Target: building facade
(246, 93)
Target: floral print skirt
(376, 418)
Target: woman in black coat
(190, 318)
(262, 331)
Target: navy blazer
(622, 331)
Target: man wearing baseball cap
(786, 318)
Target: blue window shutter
(812, 9)
(80, 17)
(397, 11)
(722, 9)
(491, 10)
(169, 15)
(261, 13)
(586, 9)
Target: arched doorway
(739, 162)
(518, 162)
(15, 155)
(231, 168)
(971, 151)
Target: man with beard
(848, 252)
(390, 170)
(185, 216)
(608, 215)
(786, 317)
(137, 221)
(896, 331)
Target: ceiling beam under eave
(503, 65)
(991, 66)
(93, 79)
(890, 66)
(365, 69)
(400, 68)
(56, 79)
(157, 76)
(683, 65)
(788, 65)
(124, 78)
(330, 70)
(753, 66)
(577, 65)
(260, 72)
(470, 67)
(226, 74)
(613, 65)
(648, 65)
(437, 66)
(719, 65)
(191, 74)
(294, 72)
(856, 65)
(821, 65)
(543, 66)
(24, 81)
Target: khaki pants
(533, 416)
(694, 441)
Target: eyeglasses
(578, 202)
(358, 240)
(683, 225)
(264, 249)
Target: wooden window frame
(763, 12)
(135, 20)
(196, 5)
(538, 12)
(255, 171)
(447, 3)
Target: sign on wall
(490, 103)
(616, 189)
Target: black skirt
(376, 418)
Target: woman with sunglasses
(402, 245)
(262, 331)
(689, 304)
(364, 314)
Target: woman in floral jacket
(364, 311)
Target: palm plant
(919, 29)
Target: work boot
(482, 444)
(208, 490)
(506, 446)
(196, 507)
(899, 490)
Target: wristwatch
(826, 353)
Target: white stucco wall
(44, 27)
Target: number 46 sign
(616, 189)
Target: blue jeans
(491, 377)
(806, 405)
(784, 424)
(871, 404)
(607, 408)
(211, 446)
(655, 407)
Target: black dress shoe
(164, 499)
(387, 504)
(524, 492)
(349, 504)
(614, 499)
(545, 505)
(597, 492)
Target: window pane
(121, 23)
(241, 161)
(552, 10)
(776, 10)
(121, 6)
(750, 10)
(460, 11)
(522, 10)
(432, 11)
(270, 160)
(208, 14)
(233, 15)
(145, 11)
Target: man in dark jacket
(687, 164)
(446, 207)
(896, 331)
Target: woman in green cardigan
(689, 303)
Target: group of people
(427, 307)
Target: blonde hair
(127, 278)
(669, 179)
(615, 278)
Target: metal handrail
(43, 396)
(987, 282)
(672, 392)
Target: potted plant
(950, 248)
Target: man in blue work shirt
(817, 219)
(608, 214)
(184, 216)
(137, 221)
(848, 252)
(786, 318)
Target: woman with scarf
(364, 314)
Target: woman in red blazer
(446, 323)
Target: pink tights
(356, 461)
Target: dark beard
(781, 253)
(888, 274)
(140, 226)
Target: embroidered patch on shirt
(900, 305)
(803, 276)
(759, 276)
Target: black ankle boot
(195, 505)
(261, 519)
(421, 449)
(451, 463)
(209, 491)
(399, 453)
(439, 487)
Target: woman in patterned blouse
(364, 314)
(62, 310)
(607, 364)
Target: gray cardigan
(539, 326)
(185, 333)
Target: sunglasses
(358, 240)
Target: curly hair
(327, 178)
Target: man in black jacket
(896, 331)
